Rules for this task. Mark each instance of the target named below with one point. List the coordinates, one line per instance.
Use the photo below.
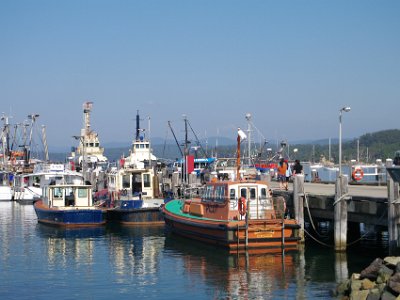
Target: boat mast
(241, 136)
(87, 108)
(5, 139)
(33, 118)
(176, 141)
(238, 156)
(148, 139)
(186, 149)
(137, 126)
(46, 149)
(248, 118)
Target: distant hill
(372, 146)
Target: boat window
(146, 180)
(69, 192)
(137, 146)
(57, 193)
(243, 192)
(263, 193)
(82, 193)
(125, 181)
(253, 193)
(232, 194)
(96, 144)
(147, 146)
(208, 193)
(136, 178)
(142, 146)
(220, 194)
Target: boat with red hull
(238, 215)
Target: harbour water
(42, 262)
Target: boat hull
(265, 235)
(69, 217)
(136, 216)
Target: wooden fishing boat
(239, 215)
(69, 205)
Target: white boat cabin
(127, 183)
(67, 195)
(255, 194)
(28, 186)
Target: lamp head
(346, 109)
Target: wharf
(366, 204)
(367, 191)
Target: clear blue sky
(292, 64)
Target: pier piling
(298, 202)
(393, 206)
(340, 213)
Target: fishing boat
(88, 157)
(27, 187)
(237, 214)
(68, 205)
(133, 190)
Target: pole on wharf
(393, 205)
(298, 203)
(340, 213)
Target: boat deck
(175, 207)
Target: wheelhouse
(67, 196)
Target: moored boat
(238, 215)
(28, 187)
(133, 189)
(68, 205)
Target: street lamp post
(340, 205)
(344, 109)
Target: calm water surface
(42, 262)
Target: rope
(322, 243)
(313, 225)
(33, 192)
(341, 198)
(365, 234)
(309, 213)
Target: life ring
(242, 206)
(358, 174)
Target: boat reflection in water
(134, 253)
(66, 244)
(241, 275)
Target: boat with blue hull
(69, 205)
(134, 212)
(132, 195)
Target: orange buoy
(358, 174)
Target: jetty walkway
(368, 191)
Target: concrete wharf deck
(367, 204)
